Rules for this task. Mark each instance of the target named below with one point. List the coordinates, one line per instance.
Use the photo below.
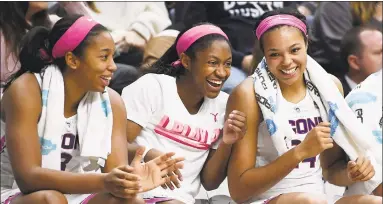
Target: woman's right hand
(316, 141)
(122, 183)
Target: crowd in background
(143, 31)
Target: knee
(52, 197)
(307, 198)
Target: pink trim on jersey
(155, 200)
(185, 134)
(2, 143)
(10, 198)
(87, 199)
(270, 199)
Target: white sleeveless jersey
(70, 161)
(153, 102)
(70, 150)
(70, 154)
(307, 176)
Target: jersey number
(69, 141)
(312, 160)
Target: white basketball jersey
(153, 102)
(307, 176)
(70, 150)
(70, 161)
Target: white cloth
(71, 161)
(366, 101)
(307, 175)
(346, 130)
(95, 122)
(153, 103)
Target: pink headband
(272, 21)
(73, 36)
(192, 35)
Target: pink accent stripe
(73, 36)
(87, 199)
(2, 143)
(10, 198)
(284, 19)
(155, 200)
(181, 139)
(270, 199)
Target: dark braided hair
(36, 47)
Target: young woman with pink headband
(181, 107)
(258, 172)
(46, 154)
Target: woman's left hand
(360, 170)
(154, 172)
(235, 127)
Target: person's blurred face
(370, 58)
(37, 6)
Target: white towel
(346, 130)
(95, 122)
(366, 102)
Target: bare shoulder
(115, 100)
(24, 94)
(245, 90)
(243, 99)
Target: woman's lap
(9, 195)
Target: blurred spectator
(132, 25)
(237, 20)
(361, 54)
(157, 46)
(332, 21)
(308, 9)
(16, 18)
(65, 8)
(125, 74)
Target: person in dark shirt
(361, 54)
(332, 21)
